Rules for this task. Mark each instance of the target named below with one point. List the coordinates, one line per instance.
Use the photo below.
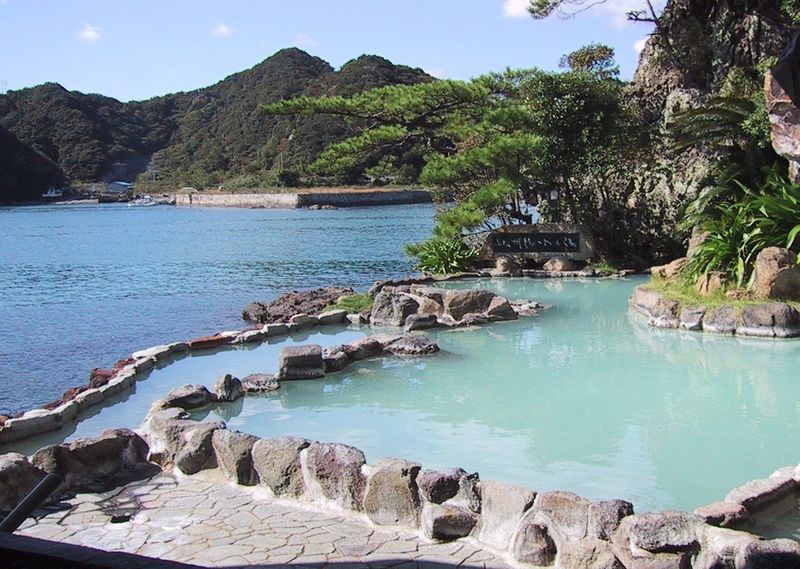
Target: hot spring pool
(584, 397)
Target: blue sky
(138, 49)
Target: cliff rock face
(782, 86)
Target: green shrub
(442, 256)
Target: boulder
(430, 306)
(233, 451)
(502, 507)
(692, 317)
(532, 544)
(228, 388)
(776, 274)
(197, 451)
(720, 321)
(301, 362)
(473, 320)
(391, 308)
(468, 496)
(698, 238)
(770, 320)
(458, 303)
(303, 321)
(364, 348)
(332, 317)
(277, 463)
(335, 359)
(661, 532)
(777, 553)
(93, 461)
(260, 383)
(438, 486)
(335, 474)
(710, 283)
(500, 309)
(209, 342)
(588, 553)
(566, 515)
(561, 265)
(410, 345)
(757, 494)
(17, 479)
(782, 98)
(723, 514)
(605, 516)
(189, 397)
(660, 311)
(506, 266)
(446, 523)
(671, 270)
(420, 322)
(357, 319)
(392, 497)
(287, 305)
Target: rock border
(764, 320)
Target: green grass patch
(354, 303)
(687, 295)
(604, 268)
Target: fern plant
(442, 256)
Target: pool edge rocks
(764, 320)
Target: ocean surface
(83, 286)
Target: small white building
(118, 187)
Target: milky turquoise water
(82, 286)
(584, 397)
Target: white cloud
(221, 31)
(516, 8)
(305, 41)
(639, 45)
(90, 33)
(437, 72)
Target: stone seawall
(305, 199)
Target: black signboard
(536, 243)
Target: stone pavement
(206, 521)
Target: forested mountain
(24, 172)
(210, 136)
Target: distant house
(118, 187)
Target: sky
(134, 50)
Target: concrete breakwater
(345, 198)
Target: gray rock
(392, 496)
(446, 523)
(776, 274)
(532, 544)
(331, 317)
(777, 553)
(670, 271)
(228, 388)
(660, 311)
(91, 461)
(434, 293)
(500, 309)
(17, 479)
(720, 321)
(234, 456)
(412, 346)
(662, 532)
(277, 462)
(458, 303)
(502, 507)
(506, 266)
(438, 486)
(565, 514)
(301, 362)
(723, 514)
(770, 320)
(303, 321)
(692, 317)
(588, 553)
(560, 265)
(335, 359)
(759, 493)
(468, 496)
(420, 322)
(473, 320)
(391, 308)
(190, 397)
(364, 348)
(711, 282)
(605, 517)
(260, 383)
(197, 453)
(357, 319)
(335, 473)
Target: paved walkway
(207, 522)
